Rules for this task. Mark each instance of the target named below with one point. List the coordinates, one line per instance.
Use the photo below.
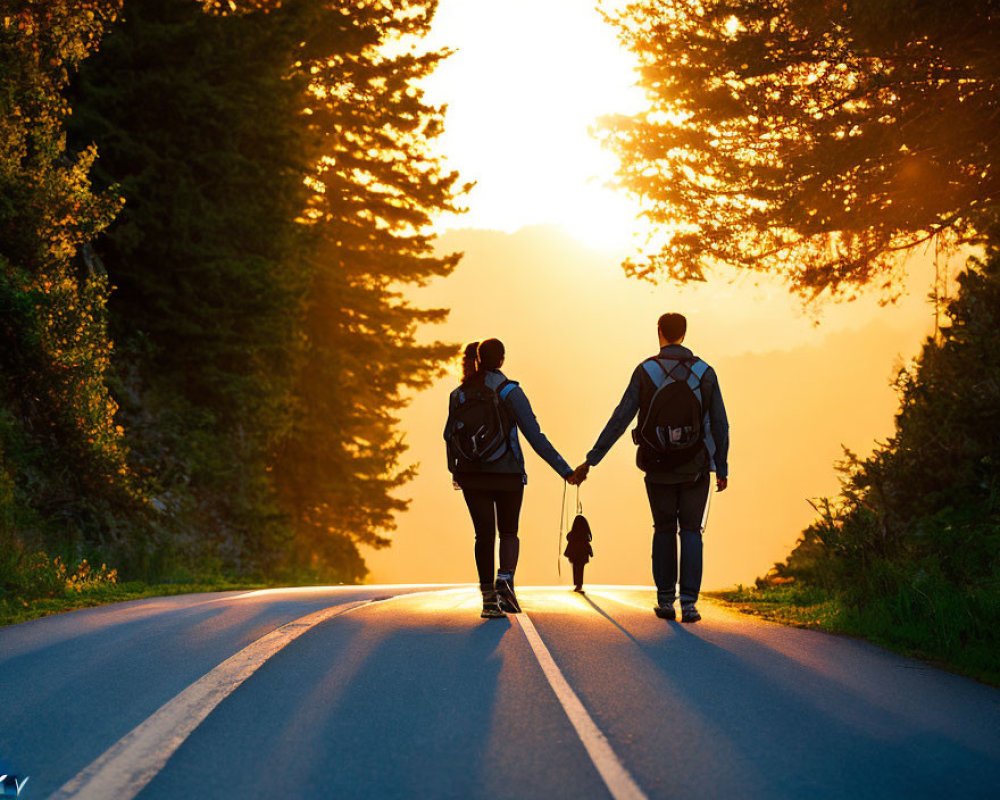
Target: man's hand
(579, 474)
(721, 484)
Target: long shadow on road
(786, 729)
(373, 705)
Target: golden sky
(543, 241)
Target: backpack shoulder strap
(505, 389)
(698, 367)
(696, 371)
(658, 373)
(661, 375)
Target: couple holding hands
(682, 436)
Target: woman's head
(491, 353)
(480, 356)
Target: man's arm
(619, 422)
(720, 434)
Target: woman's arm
(529, 426)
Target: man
(676, 455)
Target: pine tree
(378, 183)
(279, 184)
(197, 117)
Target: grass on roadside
(789, 604)
(36, 585)
(956, 633)
(16, 609)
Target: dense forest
(823, 142)
(208, 212)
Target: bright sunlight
(522, 89)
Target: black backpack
(479, 426)
(671, 431)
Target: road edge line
(124, 769)
(618, 780)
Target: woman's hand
(579, 474)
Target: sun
(602, 219)
(524, 89)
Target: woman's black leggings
(492, 510)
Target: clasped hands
(579, 474)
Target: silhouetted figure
(485, 458)
(578, 549)
(682, 435)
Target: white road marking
(125, 769)
(620, 783)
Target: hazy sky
(543, 242)
(575, 327)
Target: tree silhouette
(279, 177)
(813, 139)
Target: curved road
(403, 691)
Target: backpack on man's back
(670, 431)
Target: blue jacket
(520, 410)
(716, 427)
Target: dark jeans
(677, 507)
(578, 573)
(492, 510)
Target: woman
(485, 457)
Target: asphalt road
(393, 692)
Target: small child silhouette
(578, 549)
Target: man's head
(672, 328)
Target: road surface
(403, 691)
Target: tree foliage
(814, 139)
(63, 473)
(917, 524)
(376, 183)
(195, 116)
(279, 182)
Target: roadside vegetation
(908, 554)
(822, 142)
(43, 586)
(208, 212)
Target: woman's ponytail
(470, 361)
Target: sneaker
(491, 608)
(689, 613)
(665, 612)
(505, 593)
